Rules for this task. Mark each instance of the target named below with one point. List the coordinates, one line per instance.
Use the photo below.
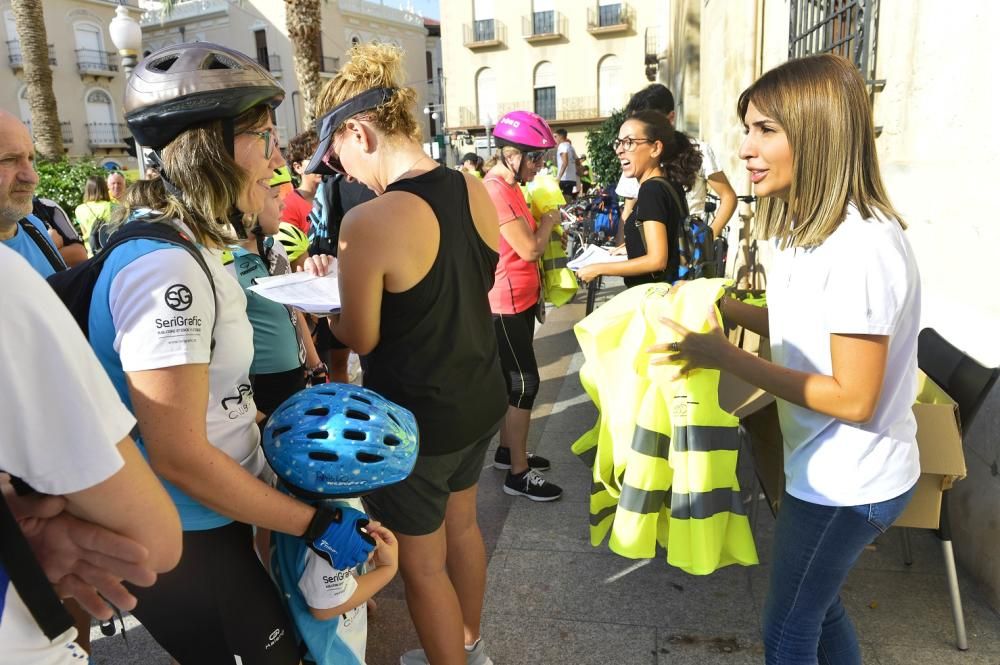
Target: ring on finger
(675, 347)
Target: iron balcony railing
(91, 60)
(566, 108)
(329, 65)
(271, 63)
(543, 25)
(16, 59)
(485, 32)
(106, 134)
(609, 18)
(65, 126)
(846, 27)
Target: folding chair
(968, 383)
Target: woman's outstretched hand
(319, 265)
(689, 349)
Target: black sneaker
(501, 460)
(532, 485)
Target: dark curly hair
(681, 157)
(302, 146)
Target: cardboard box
(942, 460)
(939, 438)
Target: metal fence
(65, 126)
(329, 65)
(16, 59)
(846, 27)
(543, 24)
(608, 16)
(485, 31)
(103, 134)
(91, 60)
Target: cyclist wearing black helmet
(174, 337)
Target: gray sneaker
(475, 657)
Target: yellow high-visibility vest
(559, 283)
(663, 452)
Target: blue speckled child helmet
(340, 440)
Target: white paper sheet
(311, 294)
(595, 254)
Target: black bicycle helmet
(187, 84)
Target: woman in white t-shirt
(843, 316)
(172, 332)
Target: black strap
(51, 253)
(28, 578)
(142, 228)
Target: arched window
(90, 53)
(101, 118)
(23, 106)
(355, 40)
(609, 84)
(486, 96)
(545, 90)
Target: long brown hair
(199, 164)
(96, 189)
(822, 105)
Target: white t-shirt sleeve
(163, 310)
(322, 586)
(866, 285)
(709, 162)
(627, 187)
(60, 417)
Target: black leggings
(515, 337)
(218, 603)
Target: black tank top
(437, 352)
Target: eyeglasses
(535, 156)
(628, 143)
(269, 136)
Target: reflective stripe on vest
(663, 453)
(558, 282)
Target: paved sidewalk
(552, 599)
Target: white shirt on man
(569, 173)
(863, 280)
(61, 420)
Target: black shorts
(566, 187)
(325, 341)
(416, 506)
(218, 603)
(515, 342)
(270, 390)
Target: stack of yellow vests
(663, 453)
(559, 283)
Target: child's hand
(386, 546)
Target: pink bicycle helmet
(523, 130)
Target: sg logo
(178, 297)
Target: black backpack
(75, 287)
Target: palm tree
(302, 19)
(34, 43)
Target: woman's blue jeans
(815, 548)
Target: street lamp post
(436, 113)
(126, 35)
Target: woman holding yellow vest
(522, 138)
(842, 318)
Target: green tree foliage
(63, 181)
(605, 169)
